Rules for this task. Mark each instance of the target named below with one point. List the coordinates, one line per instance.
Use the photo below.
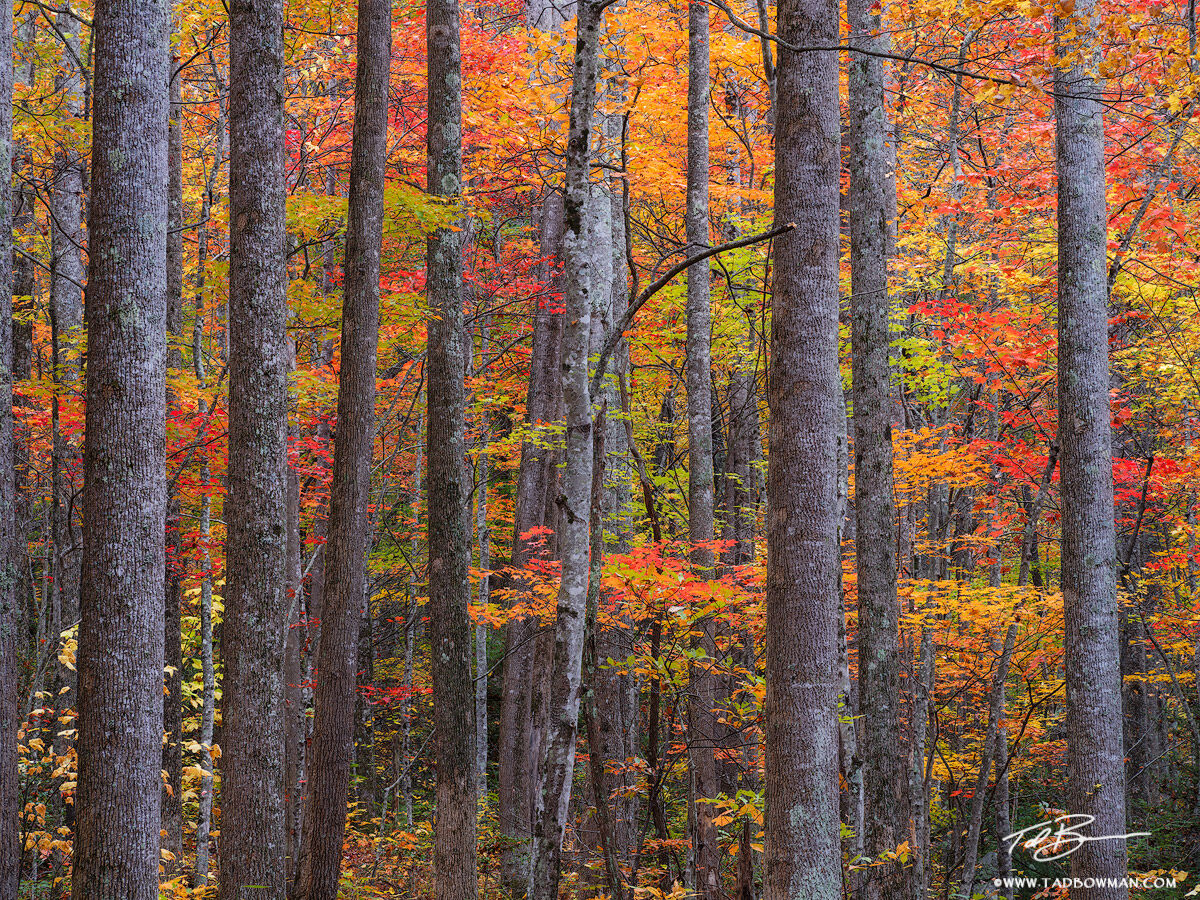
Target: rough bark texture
(66, 328)
(253, 839)
(172, 752)
(702, 721)
(454, 846)
(803, 850)
(885, 798)
(550, 814)
(516, 765)
(10, 788)
(120, 655)
(348, 535)
(1095, 757)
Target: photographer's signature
(1056, 838)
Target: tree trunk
(574, 536)
(1095, 756)
(884, 794)
(803, 848)
(995, 715)
(66, 334)
(348, 533)
(10, 606)
(172, 750)
(253, 842)
(702, 720)
(1003, 816)
(918, 785)
(204, 527)
(454, 846)
(294, 723)
(483, 537)
(120, 659)
(515, 761)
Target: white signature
(1056, 838)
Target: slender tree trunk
(1095, 756)
(66, 330)
(850, 763)
(1003, 815)
(253, 842)
(10, 606)
(120, 660)
(702, 737)
(295, 726)
(204, 527)
(484, 538)
(24, 290)
(348, 536)
(574, 535)
(803, 847)
(454, 846)
(884, 790)
(172, 750)
(991, 736)
(918, 786)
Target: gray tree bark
(120, 659)
(454, 849)
(1095, 756)
(204, 527)
(348, 533)
(172, 751)
(516, 764)
(574, 534)
(10, 606)
(702, 721)
(66, 331)
(803, 848)
(253, 838)
(885, 796)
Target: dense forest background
(624, 448)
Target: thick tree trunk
(120, 659)
(574, 535)
(617, 693)
(803, 848)
(884, 794)
(515, 760)
(454, 847)
(1095, 756)
(253, 842)
(172, 751)
(702, 720)
(348, 535)
(10, 606)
